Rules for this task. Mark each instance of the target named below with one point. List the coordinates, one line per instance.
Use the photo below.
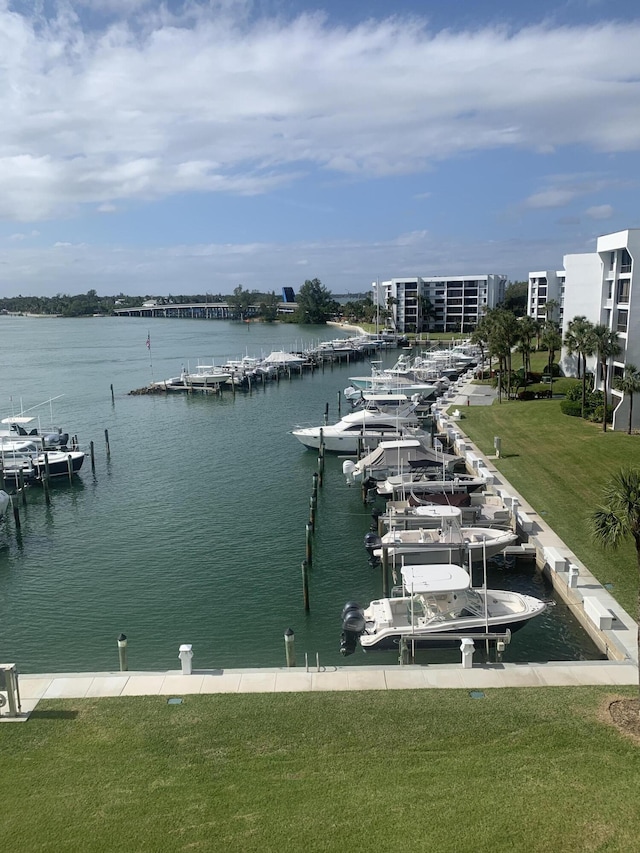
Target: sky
(191, 147)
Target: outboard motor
(348, 467)
(371, 543)
(375, 515)
(352, 627)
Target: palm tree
(606, 345)
(619, 517)
(552, 339)
(527, 333)
(579, 339)
(628, 384)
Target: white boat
(477, 508)
(441, 538)
(360, 430)
(395, 457)
(28, 457)
(424, 482)
(434, 601)
(204, 376)
(5, 500)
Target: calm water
(194, 530)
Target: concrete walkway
(94, 685)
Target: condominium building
(600, 286)
(546, 288)
(439, 303)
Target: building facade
(601, 287)
(439, 303)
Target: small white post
(467, 648)
(186, 655)
(572, 582)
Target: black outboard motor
(352, 627)
(375, 515)
(372, 542)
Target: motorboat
(5, 500)
(395, 457)
(420, 482)
(280, 358)
(204, 376)
(433, 601)
(33, 462)
(441, 537)
(360, 430)
(477, 508)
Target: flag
(148, 341)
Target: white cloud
(599, 211)
(211, 100)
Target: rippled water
(194, 529)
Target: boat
(34, 462)
(204, 376)
(477, 508)
(433, 601)
(5, 500)
(360, 430)
(395, 457)
(420, 482)
(280, 358)
(441, 537)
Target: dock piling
(93, 457)
(106, 439)
(308, 543)
(289, 647)
(122, 652)
(305, 584)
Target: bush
(596, 417)
(526, 395)
(574, 393)
(573, 408)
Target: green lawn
(559, 464)
(436, 770)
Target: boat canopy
(19, 419)
(439, 577)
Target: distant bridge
(198, 310)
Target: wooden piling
(309, 543)
(113, 399)
(106, 439)
(326, 414)
(70, 467)
(93, 457)
(339, 404)
(45, 488)
(16, 514)
(305, 584)
(313, 503)
(21, 488)
(315, 485)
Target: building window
(609, 289)
(623, 317)
(623, 290)
(625, 261)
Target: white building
(600, 286)
(457, 302)
(545, 286)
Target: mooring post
(21, 489)
(315, 484)
(385, 572)
(16, 514)
(289, 647)
(2, 483)
(70, 467)
(93, 457)
(312, 513)
(326, 414)
(122, 652)
(46, 466)
(339, 404)
(305, 584)
(45, 487)
(113, 399)
(308, 543)
(185, 653)
(106, 441)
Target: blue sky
(154, 148)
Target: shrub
(526, 395)
(574, 392)
(596, 416)
(573, 408)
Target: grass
(519, 770)
(560, 464)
